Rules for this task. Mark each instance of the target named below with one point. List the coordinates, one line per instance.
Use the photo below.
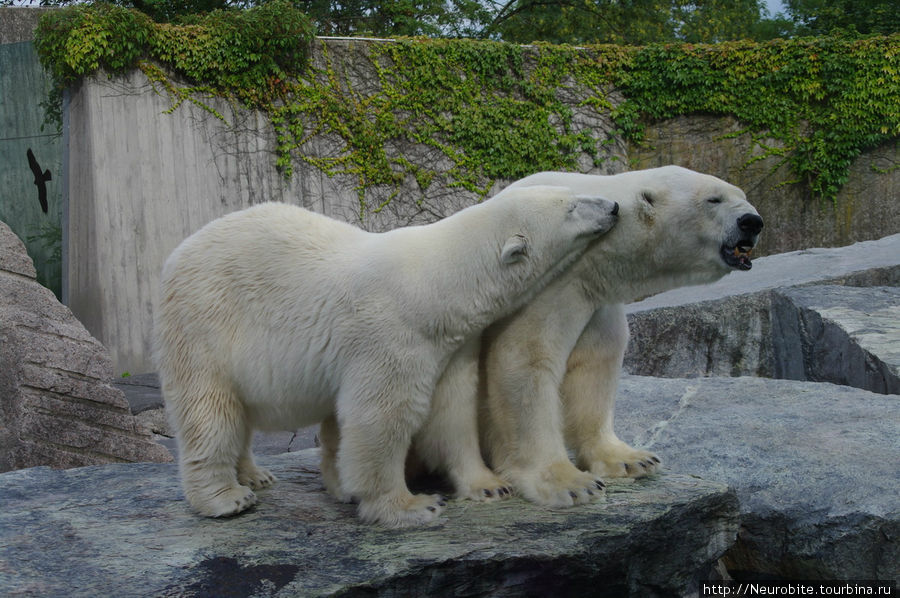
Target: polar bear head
(676, 226)
(688, 222)
(510, 246)
(556, 219)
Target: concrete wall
(866, 207)
(141, 180)
(23, 88)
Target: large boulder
(838, 334)
(120, 530)
(814, 466)
(56, 404)
(729, 328)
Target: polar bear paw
(559, 484)
(256, 477)
(487, 488)
(226, 502)
(618, 460)
(402, 510)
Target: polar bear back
(262, 295)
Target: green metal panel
(23, 90)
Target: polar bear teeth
(738, 256)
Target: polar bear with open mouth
(548, 373)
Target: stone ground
(814, 466)
(124, 530)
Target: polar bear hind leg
(589, 394)
(248, 472)
(330, 441)
(213, 436)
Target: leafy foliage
(489, 110)
(821, 17)
(634, 22)
(825, 99)
(80, 40)
(628, 22)
(231, 51)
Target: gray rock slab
(726, 328)
(124, 530)
(814, 466)
(141, 391)
(844, 335)
(729, 336)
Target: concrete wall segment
(23, 89)
(142, 179)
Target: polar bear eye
(647, 197)
(714, 200)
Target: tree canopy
(630, 22)
(818, 17)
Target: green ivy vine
(489, 110)
(825, 99)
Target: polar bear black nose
(750, 223)
(615, 210)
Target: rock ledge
(125, 530)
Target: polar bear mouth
(737, 256)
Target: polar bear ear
(515, 249)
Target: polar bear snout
(597, 214)
(751, 224)
(736, 250)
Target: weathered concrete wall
(141, 180)
(23, 88)
(17, 23)
(866, 208)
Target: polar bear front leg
(589, 398)
(376, 430)
(524, 362)
(448, 441)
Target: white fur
(549, 372)
(277, 318)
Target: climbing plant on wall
(824, 99)
(492, 110)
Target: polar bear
(549, 372)
(276, 318)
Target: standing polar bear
(278, 318)
(550, 371)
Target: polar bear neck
(608, 273)
(462, 295)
